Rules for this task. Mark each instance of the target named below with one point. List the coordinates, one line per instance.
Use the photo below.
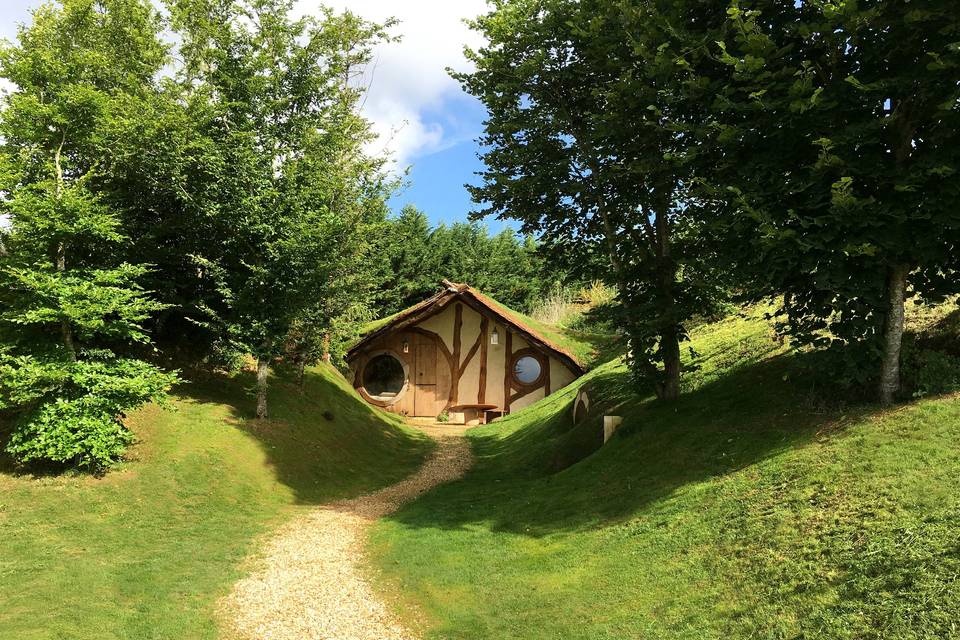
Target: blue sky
(424, 119)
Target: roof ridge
(456, 289)
(455, 286)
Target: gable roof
(455, 292)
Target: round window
(384, 377)
(527, 370)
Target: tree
(408, 274)
(69, 305)
(278, 93)
(588, 144)
(507, 267)
(839, 125)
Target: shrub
(226, 356)
(72, 413)
(929, 372)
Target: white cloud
(413, 103)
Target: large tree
(278, 96)
(840, 125)
(70, 306)
(587, 143)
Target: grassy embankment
(146, 551)
(752, 508)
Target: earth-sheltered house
(461, 353)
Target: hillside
(147, 550)
(753, 508)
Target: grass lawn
(750, 509)
(147, 550)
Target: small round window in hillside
(384, 377)
(527, 370)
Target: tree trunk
(66, 331)
(670, 352)
(301, 369)
(326, 347)
(893, 333)
(263, 369)
(670, 332)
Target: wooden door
(425, 378)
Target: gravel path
(311, 586)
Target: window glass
(383, 377)
(527, 370)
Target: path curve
(311, 585)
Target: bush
(72, 413)
(226, 356)
(929, 372)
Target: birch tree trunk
(263, 370)
(326, 347)
(66, 331)
(893, 333)
(301, 369)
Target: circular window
(384, 377)
(527, 370)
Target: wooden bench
(473, 414)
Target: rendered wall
(468, 390)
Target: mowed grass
(146, 551)
(752, 508)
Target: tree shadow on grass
(725, 426)
(323, 442)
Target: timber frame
(459, 356)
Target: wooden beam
(546, 378)
(474, 348)
(455, 381)
(481, 308)
(484, 346)
(507, 373)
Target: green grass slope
(749, 509)
(146, 551)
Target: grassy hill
(146, 551)
(752, 508)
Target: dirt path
(311, 585)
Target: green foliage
(74, 411)
(929, 372)
(273, 99)
(590, 146)
(418, 258)
(225, 356)
(96, 302)
(68, 302)
(837, 133)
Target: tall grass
(563, 305)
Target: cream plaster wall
(442, 325)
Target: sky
(422, 116)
